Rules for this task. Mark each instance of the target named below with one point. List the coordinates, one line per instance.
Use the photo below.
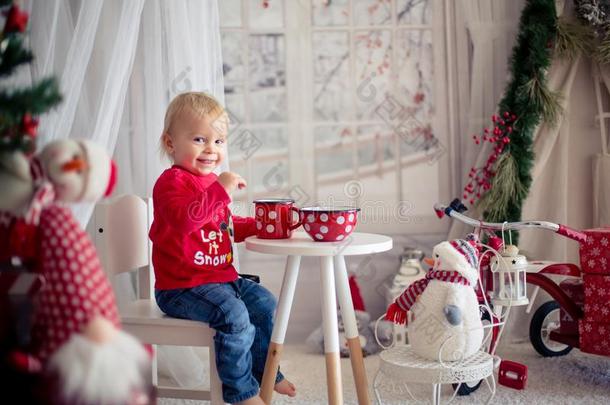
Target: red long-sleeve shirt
(192, 230)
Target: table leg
(331, 331)
(351, 330)
(436, 394)
(279, 327)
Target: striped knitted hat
(468, 250)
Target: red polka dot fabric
(76, 288)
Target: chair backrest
(120, 227)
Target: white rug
(573, 379)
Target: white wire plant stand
(400, 367)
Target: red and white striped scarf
(397, 312)
(44, 193)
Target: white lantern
(509, 288)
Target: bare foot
(285, 387)
(251, 401)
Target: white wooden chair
(120, 229)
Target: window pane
(243, 145)
(375, 144)
(233, 65)
(267, 61)
(273, 139)
(230, 13)
(268, 105)
(334, 144)
(373, 57)
(419, 139)
(270, 178)
(415, 76)
(235, 105)
(271, 16)
(367, 12)
(333, 135)
(334, 160)
(267, 78)
(326, 13)
(367, 154)
(414, 11)
(331, 98)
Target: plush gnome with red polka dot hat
(76, 341)
(445, 323)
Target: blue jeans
(241, 312)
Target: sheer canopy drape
(90, 47)
(119, 63)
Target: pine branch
(13, 55)
(20, 106)
(573, 39)
(543, 100)
(505, 187)
(602, 52)
(35, 100)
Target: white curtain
(178, 50)
(119, 64)
(492, 28)
(601, 161)
(90, 47)
(548, 195)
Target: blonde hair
(200, 103)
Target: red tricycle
(558, 325)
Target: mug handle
(294, 226)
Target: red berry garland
(480, 177)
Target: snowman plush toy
(445, 322)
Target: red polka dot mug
(329, 224)
(275, 218)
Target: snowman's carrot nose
(429, 261)
(75, 164)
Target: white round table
(333, 273)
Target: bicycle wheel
(544, 321)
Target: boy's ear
(168, 143)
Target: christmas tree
(19, 107)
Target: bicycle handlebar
(572, 233)
(558, 228)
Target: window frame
(298, 30)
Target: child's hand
(230, 181)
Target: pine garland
(541, 34)
(528, 97)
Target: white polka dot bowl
(329, 224)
